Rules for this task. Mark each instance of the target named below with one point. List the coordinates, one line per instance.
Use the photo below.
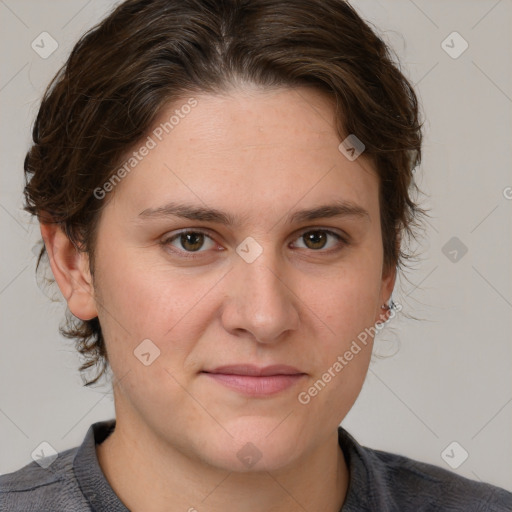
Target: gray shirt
(379, 481)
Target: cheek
(147, 299)
(352, 296)
(153, 302)
(342, 356)
(138, 306)
(347, 311)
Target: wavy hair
(148, 53)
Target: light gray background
(451, 377)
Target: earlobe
(70, 268)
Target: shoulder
(437, 488)
(34, 487)
(388, 482)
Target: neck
(147, 474)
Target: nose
(260, 301)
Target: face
(250, 308)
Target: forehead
(247, 149)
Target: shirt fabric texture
(379, 481)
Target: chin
(258, 444)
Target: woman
(223, 189)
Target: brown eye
(319, 239)
(191, 241)
(315, 239)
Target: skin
(259, 155)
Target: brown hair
(147, 53)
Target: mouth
(256, 381)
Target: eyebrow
(338, 209)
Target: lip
(257, 371)
(255, 381)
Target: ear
(387, 285)
(386, 289)
(70, 268)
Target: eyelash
(198, 254)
